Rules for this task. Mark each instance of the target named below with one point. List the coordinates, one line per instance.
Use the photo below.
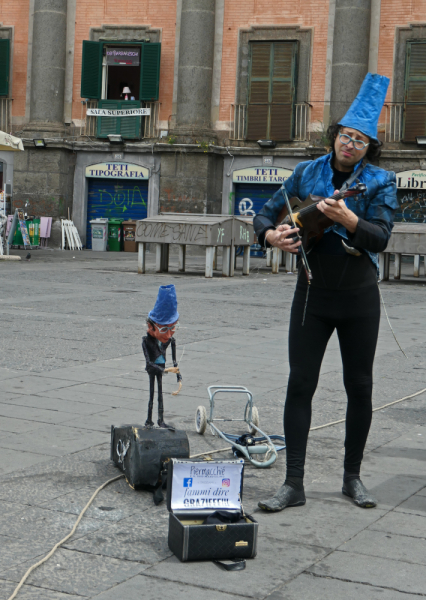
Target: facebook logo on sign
(187, 482)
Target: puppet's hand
(171, 370)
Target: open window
(415, 91)
(271, 91)
(109, 68)
(4, 67)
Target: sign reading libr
(117, 171)
(411, 180)
(261, 175)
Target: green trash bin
(115, 237)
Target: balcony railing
(6, 114)
(393, 123)
(149, 125)
(238, 121)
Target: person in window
(162, 323)
(344, 294)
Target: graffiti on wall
(120, 201)
(412, 206)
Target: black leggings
(355, 314)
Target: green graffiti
(120, 201)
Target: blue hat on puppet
(165, 309)
(364, 113)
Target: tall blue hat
(165, 309)
(365, 110)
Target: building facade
(217, 100)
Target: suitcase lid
(204, 486)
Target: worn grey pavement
(70, 367)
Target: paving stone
(13, 460)
(54, 440)
(416, 505)
(396, 547)
(29, 592)
(76, 573)
(275, 563)
(400, 523)
(374, 571)
(37, 415)
(53, 401)
(25, 384)
(310, 587)
(317, 522)
(156, 589)
(8, 374)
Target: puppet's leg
(160, 421)
(149, 422)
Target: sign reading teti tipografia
(117, 171)
(112, 112)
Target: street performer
(343, 293)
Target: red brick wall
(244, 13)
(161, 15)
(15, 13)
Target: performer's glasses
(165, 329)
(346, 139)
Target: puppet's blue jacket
(377, 205)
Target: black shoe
(286, 496)
(356, 490)
(149, 423)
(164, 425)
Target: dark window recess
(272, 91)
(415, 92)
(143, 80)
(4, 67)
(128, 127)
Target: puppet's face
(162, 332)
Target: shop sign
(117, 171)
(128, 57)
(112, 112)
(261, 175)
(411, 180)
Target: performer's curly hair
(374, 149)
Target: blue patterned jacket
(375, 207)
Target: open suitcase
(195, 490)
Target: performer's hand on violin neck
(337, 211)
(281, 237)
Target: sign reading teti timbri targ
(261, 175)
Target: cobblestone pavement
(70, 367)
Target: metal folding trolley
(260, 451)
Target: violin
(311, 221)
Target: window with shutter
(150, 75)
(271, 94)
(4, 67)
(415, 92)
(91, 70)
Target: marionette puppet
(162, 323)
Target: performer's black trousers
(152, 377)
(355, 314)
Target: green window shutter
(130, 126)
(150, 72)
(415, 92)
(91, 70)
(271, 91)
(107, 125)
(4, 67)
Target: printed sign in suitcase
(195, 490)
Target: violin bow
(302, 250)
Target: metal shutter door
(252, 197)
(109, 198)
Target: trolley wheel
(201, 420)
(254, 420)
